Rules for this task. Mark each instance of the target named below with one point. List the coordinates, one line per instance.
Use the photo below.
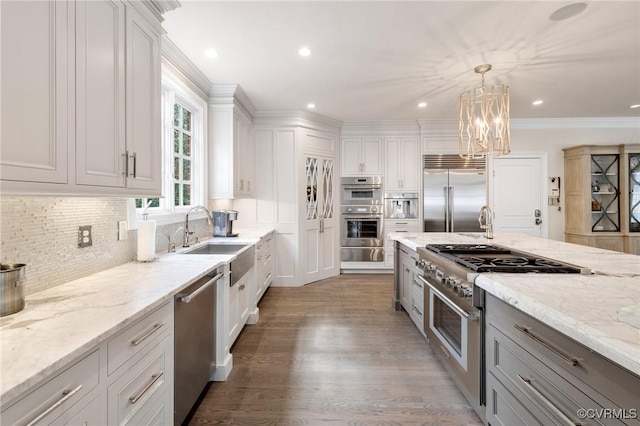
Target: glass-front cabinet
(634, 192)
(605, 193)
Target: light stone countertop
(583, 307)
(62, 323)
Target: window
(183, 156)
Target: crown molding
(231, 94)
(177, 61)
(576, 123)
(160, 7)
(297, 118)
(381, 128)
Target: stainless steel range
(453, 307)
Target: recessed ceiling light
(635, 106)
(568, 11)
(304, 51)
(311, 105)
(212, 53)
(537, 102)
(422, 105)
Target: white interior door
(516, 195)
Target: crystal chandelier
(484, 120)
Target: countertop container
(11, 288)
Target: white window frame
(174, 90)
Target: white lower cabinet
(396, 226)
(64, 394)
(238, 311)
(264, 264)
(136, 389)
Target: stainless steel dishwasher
(194, 342)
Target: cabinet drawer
(533, 383)
(139, 386)
(139, 336)
(504, 409)
(58, 395)
(613, 383)
(93, 413)
(158, 413)
(416, 311)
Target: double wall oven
(361, 217)
(454, 316)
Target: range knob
(431, 267)
(464, 291)
(349, 209)
(374, 209)
(452, 282)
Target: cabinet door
(243, 158)
(35, 91)
(143, 105)
(393, 160)
(410, 164)
(233, 318)
(350, 159)
(372, 156)
(100, 93)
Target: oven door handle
(468, 316)
(359, 216)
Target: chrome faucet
(187, 233)
(487, 214)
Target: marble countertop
(583, 307)
(63, 322)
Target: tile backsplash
(42, 232)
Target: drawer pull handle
(525, 331)
(141, 339)
(545, 401)
(417, 284)
(66, 395)
(417, 311)
(154, 379)
(242, 286)
(190, 297)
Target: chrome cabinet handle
(190, 297)
(141, 339)
(154, 379)
(66, 395)
(248, 185)
(135, 165)
(545, 401)
(568, 359)
(417, 311)
(417, 284)
(125, 173)
(242, 286)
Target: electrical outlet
(84, 236)
(122, 230)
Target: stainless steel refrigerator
(453, 198)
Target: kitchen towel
(146, 240)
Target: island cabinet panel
(536, 375)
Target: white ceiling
(375, 60)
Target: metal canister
(12, 278)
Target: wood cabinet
(127, 379)
(536, 375)
(231, 153)
(599, 197)
(402, 164)
(361, 156)
(83, 108)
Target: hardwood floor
(334, 353)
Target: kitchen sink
(216, 249)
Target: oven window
(362, 228)
(448, 323)
(362, 195)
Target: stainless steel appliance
(454, 192)
(453, 307)
(361, 191)
(362, 238)
(223, 223)
(401, 205)
(194, 343)
(12, 278)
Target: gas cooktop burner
(494, 258)
(467, 248)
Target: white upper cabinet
(34, 134)
(361, 156)
(80, 98)
(231, 147)
(402, 171)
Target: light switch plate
(122, 230)
(84, 236)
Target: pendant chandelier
(484, 120)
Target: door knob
(538, 221)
